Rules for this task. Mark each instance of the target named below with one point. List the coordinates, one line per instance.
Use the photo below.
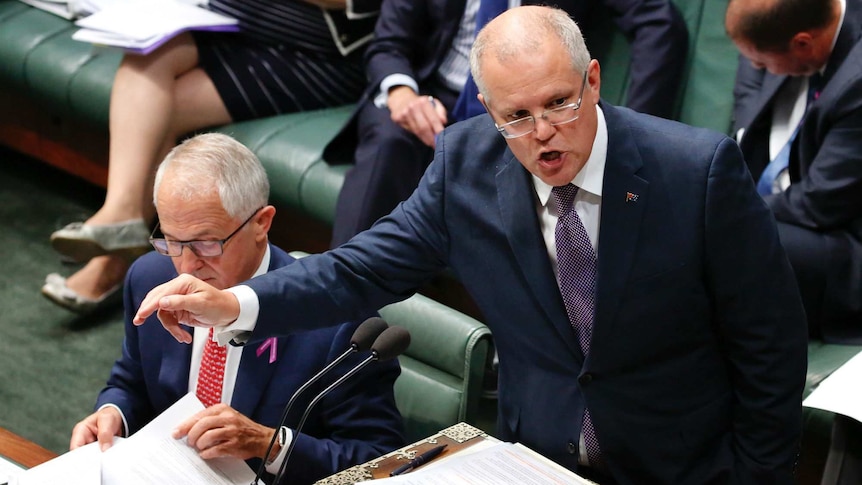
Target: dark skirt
(256, 80)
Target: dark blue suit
(820, 214)
(413, 36)
(354, 423)
(698, 354)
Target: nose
(188, 261)
(544, 128)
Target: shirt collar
(591, 177)
(837, 33)
(264, 263)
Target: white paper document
(8, 470)
(839, 393)
(499, 464)
(77, 467)
(142, 25)
(149, 456)
(59, 8)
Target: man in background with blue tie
(798, 119)
(417, 66)
(648, 324)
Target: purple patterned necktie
(576, 275)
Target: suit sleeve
(658, 38)
(126, 387)
(397, 41)
(829, 195)
(382, 265)
(761, 327)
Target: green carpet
(53, 363)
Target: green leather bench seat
(290, 147)
(38, 55)
(442, 370)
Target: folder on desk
(469, 451)
(141, 26)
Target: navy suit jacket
(825, 169)
(356, 422)
(413, 37)
(699, 345)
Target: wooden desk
(22, 451)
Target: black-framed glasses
(556, 116)
(201, 248)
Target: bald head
(770, 25)
(522, 31)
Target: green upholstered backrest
(442, 370)
(823, 359)
(706, 97)
(290, 147)
(37, 54)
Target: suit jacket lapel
(255, 371)
(625, 196)
(516, 199)
(174, 358)
(253, 375)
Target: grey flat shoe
(55, 289)
(82, 242)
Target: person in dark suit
(798, 115)
(204, 190)
(416, 67)
(675, 352)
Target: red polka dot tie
(576, 263)
(211, 374)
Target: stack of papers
(149, 456)
(490, 463)
(57, 7)
(141, 26)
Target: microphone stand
(349, 374)
(370, 328)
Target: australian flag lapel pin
(631, 197)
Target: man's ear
(482, 100)
(263, 222)
(802, 44)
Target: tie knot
(564, 195)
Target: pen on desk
(418, 461)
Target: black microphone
(364, 337)
(390, 344)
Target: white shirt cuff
(249, 308)
(390, 82)
(274, 465)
